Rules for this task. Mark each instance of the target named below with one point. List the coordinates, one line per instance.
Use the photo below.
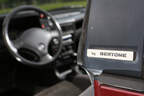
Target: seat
(72, 87)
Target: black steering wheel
(33, 41)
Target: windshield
(7, 5)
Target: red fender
(102, 90)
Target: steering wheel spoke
(46, 58)
(18, 44)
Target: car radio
(114, 37)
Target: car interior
(38, 49)
(71, 48)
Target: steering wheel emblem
(41, 46)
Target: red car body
(103, 90)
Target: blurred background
(7, 5)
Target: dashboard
(70, 20)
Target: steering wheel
(32, 46)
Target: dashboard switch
(42, 16)
(43, 26)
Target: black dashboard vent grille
(78, 24)
(68, 28)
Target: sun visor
(113, 37)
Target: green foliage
(62, 4)
(3, 1)
(43, 4)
